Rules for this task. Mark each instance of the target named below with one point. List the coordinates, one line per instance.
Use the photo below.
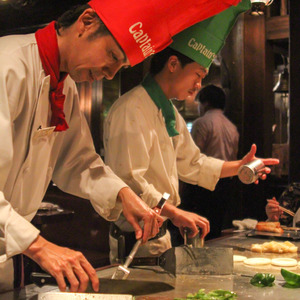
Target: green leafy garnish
(262, 279)
(292, 279)
(212, 295)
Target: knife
(111, 286)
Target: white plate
(257, 261)
(239, 258)
(82, 296)
(284, 262)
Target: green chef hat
(202, 41)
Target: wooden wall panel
(232, 76)
(294, 53)
(258, 86)
(277, 28)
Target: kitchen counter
(238, 282)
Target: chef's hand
(191, 221)
(272, 210)
(136, 210)
(63, 262)
(230, 168)
(184, 219)
(267, 162)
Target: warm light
(258, 6)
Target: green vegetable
(262, 279)
(212, 295)
(292, 279)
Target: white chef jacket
(216, 135)
(140, 151)
(28, 162)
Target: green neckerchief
(162, 102)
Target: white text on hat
(201, 48)
(142, 39)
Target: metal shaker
(248, 173)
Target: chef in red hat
(44, 136)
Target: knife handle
(146, 261)
(158, 208)
(41, 279)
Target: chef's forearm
(18, 232)
(230, 168)
(169, 210)
(35, 247)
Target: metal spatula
(122, 271)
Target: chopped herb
(212, 295)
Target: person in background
(44, 135)
(216, 136)
(147, 142)
(289, 199)
(213, 132)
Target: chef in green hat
(147, 143)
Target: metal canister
(249, 172)
(195, 242)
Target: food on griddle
(292, 279)
(269, 226)
(262, 279)
(284, 262)
(212, 295)
(239, 258)
(257, 261)
(274, 247)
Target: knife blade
(192, 261)
(111, 286)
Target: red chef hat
(144, 27)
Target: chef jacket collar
(162, 102)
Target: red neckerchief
(48, 50)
